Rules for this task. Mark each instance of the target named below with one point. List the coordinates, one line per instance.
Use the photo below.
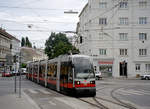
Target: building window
(143, 4)
(142, 36)
(123, 4)
(103, 21)
(142, 52)
(142, 20)
(81, 39)
(102, 51)
(137, 67)
(103, 4)
(123, 36)
(123, 52)
(147, 67)
(123, 21)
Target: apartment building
(5, 50)
(15, 46)
(116, 33)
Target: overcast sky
(38, 18)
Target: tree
(22, 42)
(23, 65)
(28, 43)
(57, 44)
(34, 47)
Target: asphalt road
(134, 92)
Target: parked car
(6, 74)
(23, 71)
(98, 75)
(145, 76)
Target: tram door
(63, 76)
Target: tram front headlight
(92, 82)
(77, 82)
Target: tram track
(127, 105)
(116, 100)
(96, 104)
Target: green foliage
(23, 65)
(26, 42)
(58, 44)
(22, 42)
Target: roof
(4, 33)
(15, 38)
(83, 9)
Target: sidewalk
(12, 101)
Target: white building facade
(116, 33)
(15, 51)
(15, 46)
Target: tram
(71, 74)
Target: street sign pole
(20, 75)
(15, 77)
(15, 83)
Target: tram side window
(66, 72)
(42, 71)
(36, 69)
(70, 74)
(30, 70)
(52, 70)
(55, 70)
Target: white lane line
(31, 101)
(52, 103)
(131, 92)
(32, 91)
(44, 91)
(142, 92)
(146, 91)
(122, 92)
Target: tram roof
(86, 56)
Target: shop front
(106, 67)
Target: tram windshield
(83, 68)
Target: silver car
(98, 75)
(146, 76)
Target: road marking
(142, 92)
(129, 92)
(32, 91)
(122, 92)
(52, 103)
(30, 100)
(44, 91)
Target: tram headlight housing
(77, 82)
(92, 82)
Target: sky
(38, 18)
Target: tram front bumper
(86, 90)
